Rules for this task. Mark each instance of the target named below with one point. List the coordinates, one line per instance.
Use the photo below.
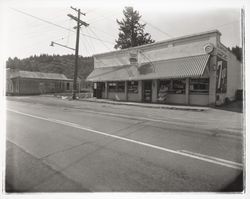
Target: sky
(25, 35)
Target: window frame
(131, 87)
(116, 86)
(173, 90)
(195, 91)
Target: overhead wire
(108, 48)
(59, 26)
(87, 44)
(163, 32)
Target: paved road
(55, 145)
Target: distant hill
(53, 64)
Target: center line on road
(217, 161)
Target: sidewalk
(147, 105)
(214, 121)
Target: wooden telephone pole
(79, 24)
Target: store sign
(146, 68)
(133, 57)
(221, 76)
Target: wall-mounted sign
(133, 57)
(146, 68)
(221, 76)
(208, 48)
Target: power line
(226, 24)
(59, 26)
(157, 28)
(101, 41)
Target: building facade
(34, 83)
(191, 70)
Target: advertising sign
(221, 76)
(133, 57)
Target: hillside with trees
(53, 64)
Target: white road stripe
(162, 121)
(201, 157)
(212, 158)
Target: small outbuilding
(190, 70)
(20, 82)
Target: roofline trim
(159, 42)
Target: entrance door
(99, 89)
(147, 91)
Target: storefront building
(20, 82)
(191, 70)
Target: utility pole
(79, 24)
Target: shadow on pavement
(236, 185)
(236, 106)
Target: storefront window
(164, 84)
(133, 87)
(67, 86)
(163, 90)
(199, 86)
(116, 86)
(112, 86)
(178, 86)
(120, 87)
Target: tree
(238, 52)
(131, 30)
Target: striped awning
(193, 66)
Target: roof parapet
(161, 42)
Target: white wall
(190, 46)
(134, 97)
(201, 100)
(176, 98)
(119, 96)
(234, 76)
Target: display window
(116, 86)
(199, 86)
(120, 87)
(178, 86)
(112, 86)
(133, 87)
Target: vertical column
(154, 90)
(140, 90)
(126, 90)
(106, 90)
(187, 91)
(212, 80)
(18, 83)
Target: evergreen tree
(238, 52)
(131, 30)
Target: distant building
(192, 70)
(20, 82)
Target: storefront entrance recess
(147, 91)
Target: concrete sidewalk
(147, 105)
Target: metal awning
(193, 66)
(37, 75)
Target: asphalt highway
(64, 147)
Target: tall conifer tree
(131, 30)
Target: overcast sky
(25, 35)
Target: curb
(186, 108)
